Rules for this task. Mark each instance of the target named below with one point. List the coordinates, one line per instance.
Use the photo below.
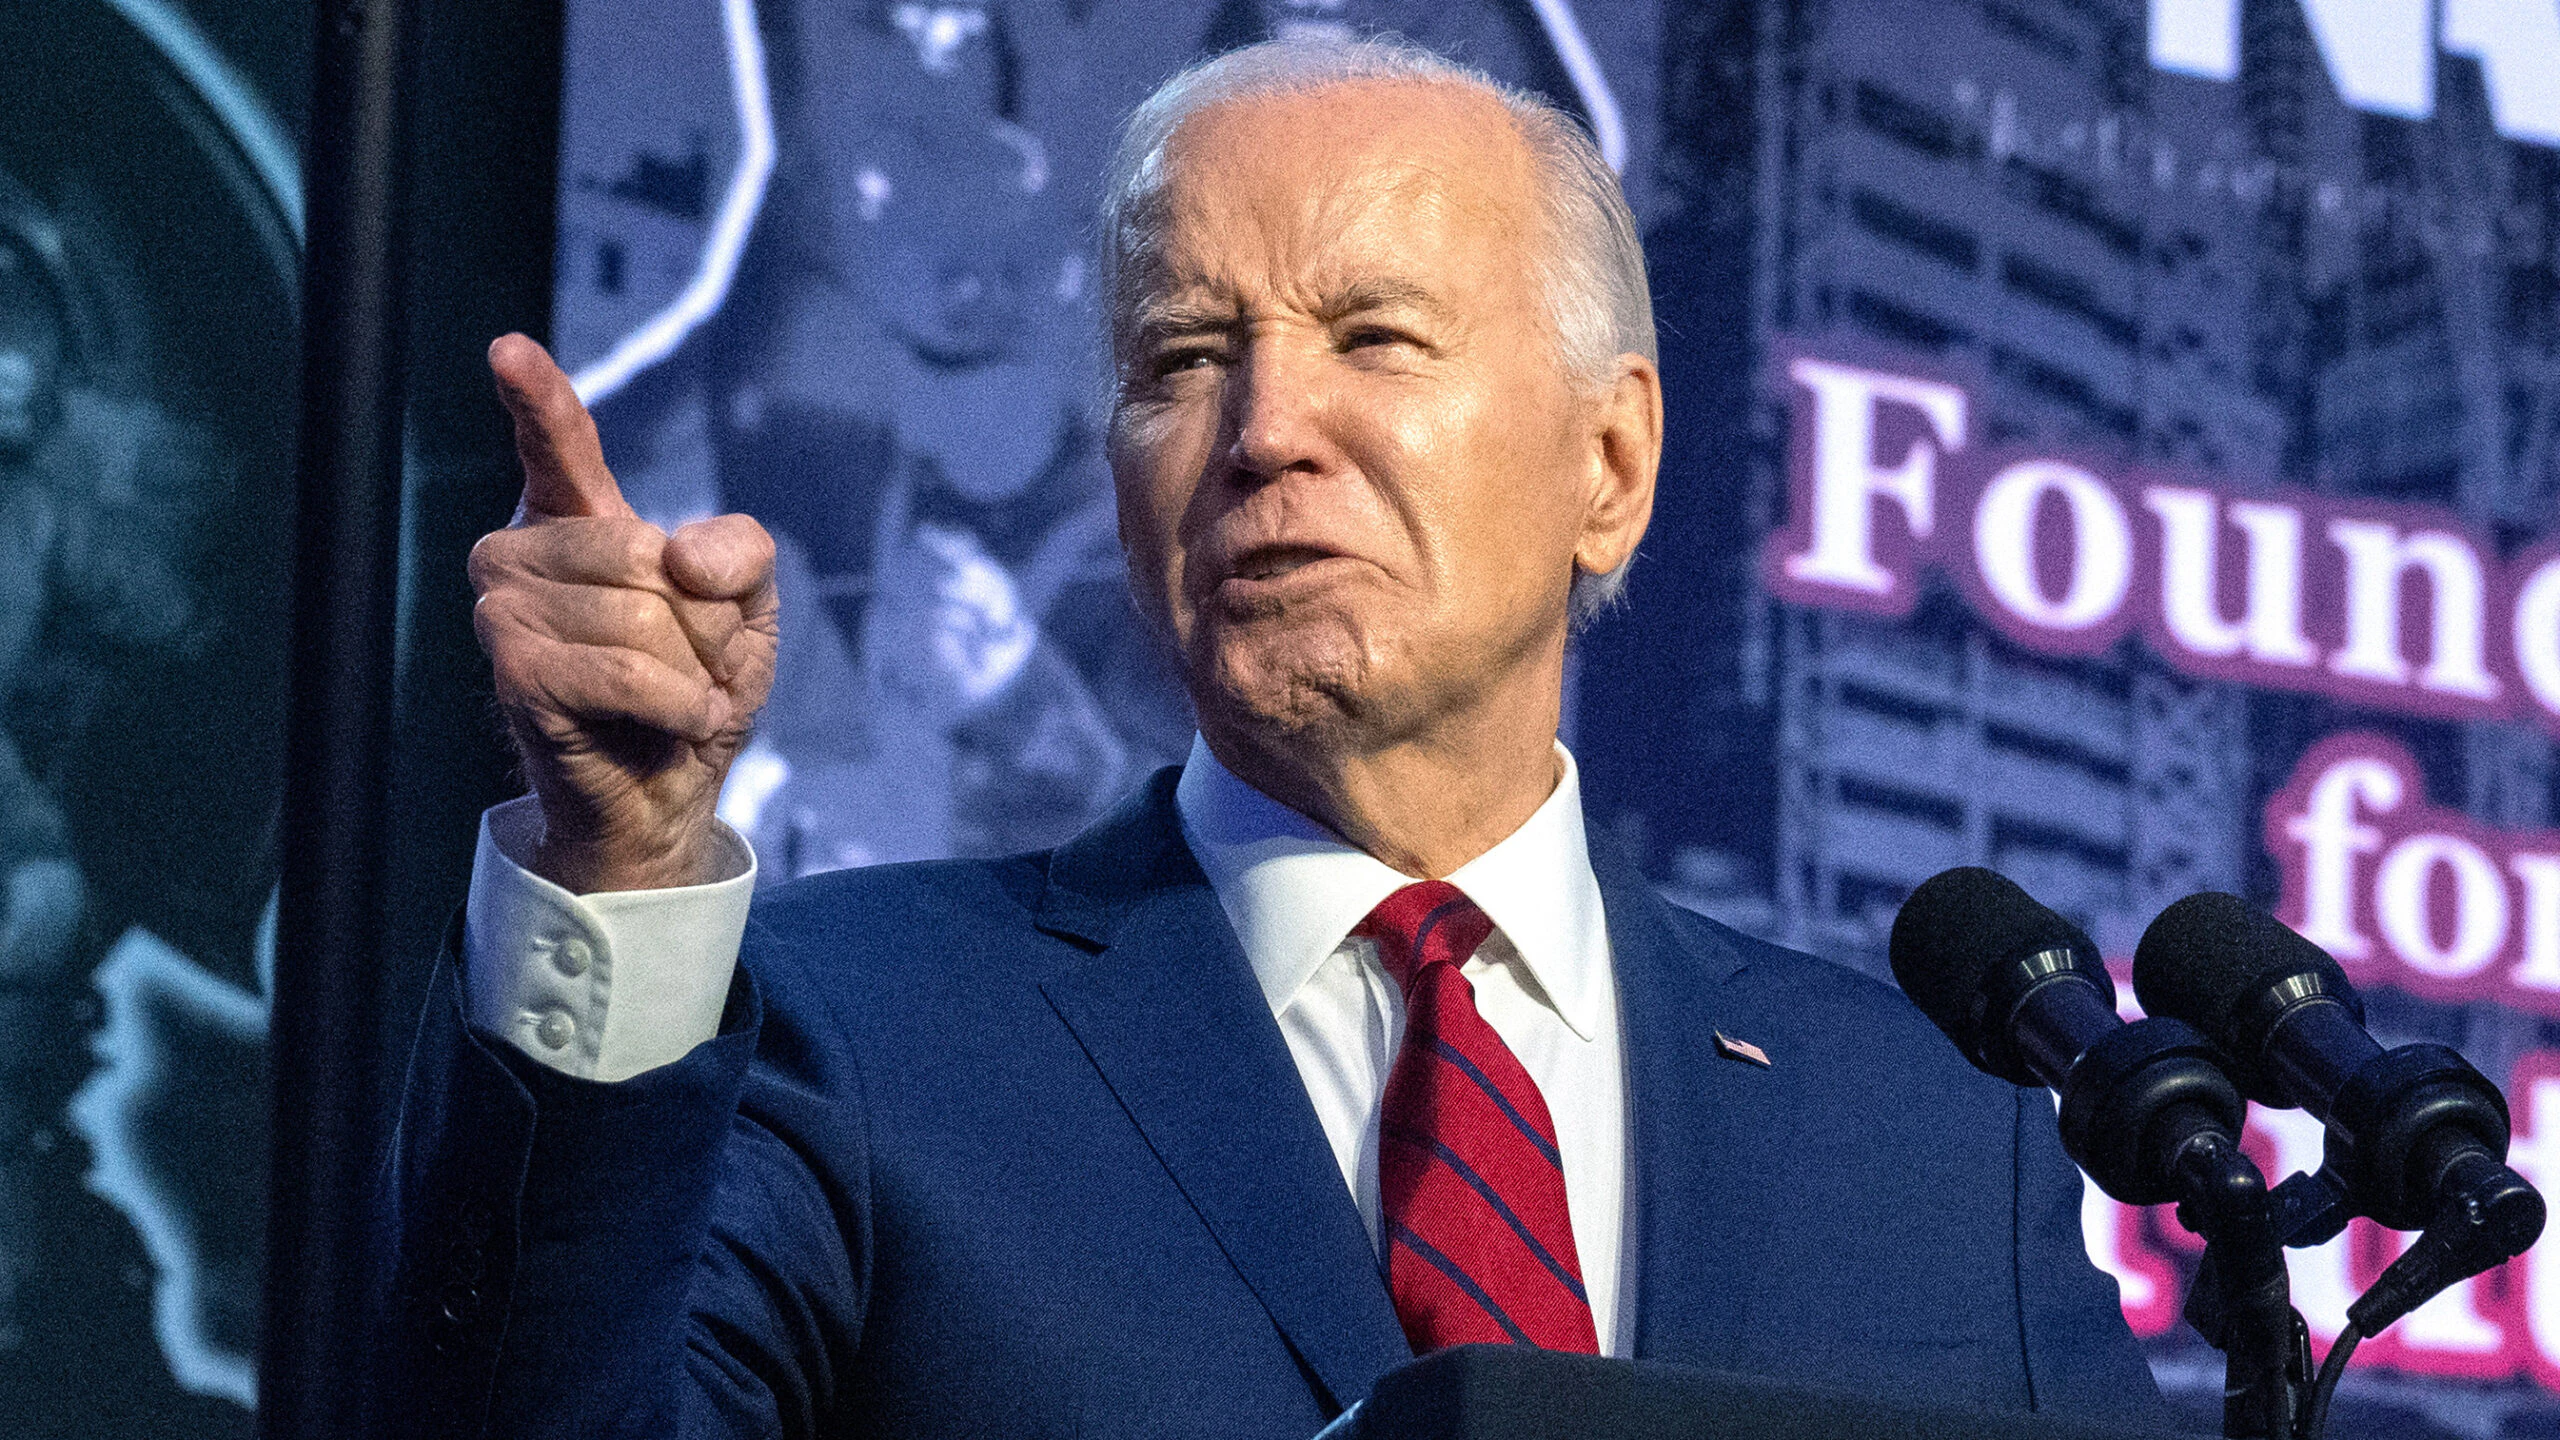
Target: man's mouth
(1270, 562)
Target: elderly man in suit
(1342, 1042)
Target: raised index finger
(564, 470)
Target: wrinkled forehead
(1282, 196)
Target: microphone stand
(2149, 1114)
(2242, 1302)
(2486, 1216)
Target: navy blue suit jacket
(1015, 1148)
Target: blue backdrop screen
(2113, 442)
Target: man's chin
(1285, 686)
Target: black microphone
(2411, 1130)
(2146, 1109)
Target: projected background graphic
(828, 264)
(149, 235)
(2156, 299)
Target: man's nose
(1275, 405)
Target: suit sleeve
(2081, 1358)
(652, 1256)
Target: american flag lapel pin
(1733, 1049)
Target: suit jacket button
(458, 1304)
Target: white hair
(1591, 264)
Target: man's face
(1353, 476)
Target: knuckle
(552, 726)
(495, 617)
(745, 540)
(632, 613)
(625, 671)
(488, 560)
(558, 408)
(507, 674)
(635, 546)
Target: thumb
(564, 470)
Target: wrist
(593, 865)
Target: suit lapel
(1170, 1014)
(1693, 1113)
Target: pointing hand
(629, 662)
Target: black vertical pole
(484, 139)
(327, 1035)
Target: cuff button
(458, 1305)
(572, 956)
(555, 1029)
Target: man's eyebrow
(1158, 319)
(1363, 296)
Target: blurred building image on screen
(1976, 187)
(2246, 280)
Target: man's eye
(1173, 361)
(1368, 336)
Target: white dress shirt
(1543, 980)
(606, 986)
(598, 986)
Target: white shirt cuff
(603, 986)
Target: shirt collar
(1293, 889)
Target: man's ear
(1626, 455)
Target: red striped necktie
(1471, 1188)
